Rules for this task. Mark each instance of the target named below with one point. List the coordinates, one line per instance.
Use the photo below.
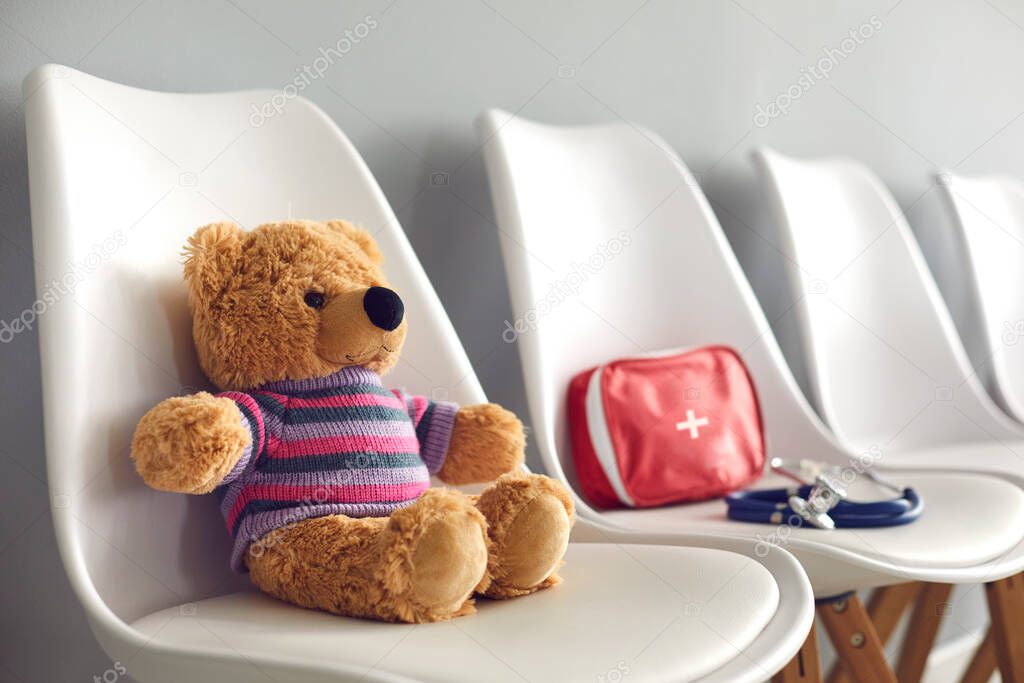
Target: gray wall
(936, 83)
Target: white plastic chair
(565, 194)
(119, 178)
(988, 219)
(887, 370)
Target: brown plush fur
(251, 326)
(487, 441)
(366, 567)
(188, 444)
(250, 323)
(375, 567)
(529, 517)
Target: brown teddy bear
(324, 474)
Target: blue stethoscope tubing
(768, 506)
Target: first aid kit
(670, 428)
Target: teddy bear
(323, 474)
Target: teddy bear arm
(487, 441)
(189, 444)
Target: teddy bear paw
(486, 442)
(529, 520)
(449, 560)
(188, 444)
(442, 540)
(535, 543)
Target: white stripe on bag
(602, 440)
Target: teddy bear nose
(384, 307)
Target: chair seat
(1004, 458)
(665, 613)
(979, 515)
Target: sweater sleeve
(434, 422)
(252, 419)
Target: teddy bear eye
(314, 299)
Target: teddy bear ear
(359, 236)
(210, 256)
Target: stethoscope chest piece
(825, 495)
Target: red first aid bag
(669, 429)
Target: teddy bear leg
(434, 555)
(529, 517)
(421, 564)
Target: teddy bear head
(290, 300)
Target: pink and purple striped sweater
(341, 444)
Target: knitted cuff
(440, 419)
(252, 420)
(243, 461)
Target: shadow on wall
(452, 228)
(754, 237)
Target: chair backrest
(886, 367)
(612, 250)
(120, 177)
(988, 216)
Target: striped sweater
(341, 444)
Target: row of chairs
(887, 370)
(674, 593)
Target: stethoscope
(822, 504)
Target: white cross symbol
(692, 422)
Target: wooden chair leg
(983, 664)
(885, 608)
(805, 666)
(931, 606)
(1006, 612)
(855, 640)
